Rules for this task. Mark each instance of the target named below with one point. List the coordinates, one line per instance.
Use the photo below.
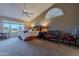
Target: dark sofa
(52, 35)
(60, 36)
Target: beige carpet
(37, 47)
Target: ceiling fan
(25, 12)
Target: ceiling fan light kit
(25, 12)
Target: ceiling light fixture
(25, 12)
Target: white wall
(69, 21)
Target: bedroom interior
(39, 29)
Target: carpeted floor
(37, 47)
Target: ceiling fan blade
(27, 15)
(30, 13)
(25, 12)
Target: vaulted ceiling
(14, 10)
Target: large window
(15, 28)
(12, 27)
(22, 27)
(53, 13)
(5, 27)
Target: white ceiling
(14, 10)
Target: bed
(28, 35)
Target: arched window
(54, 12)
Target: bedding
(23, 36)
